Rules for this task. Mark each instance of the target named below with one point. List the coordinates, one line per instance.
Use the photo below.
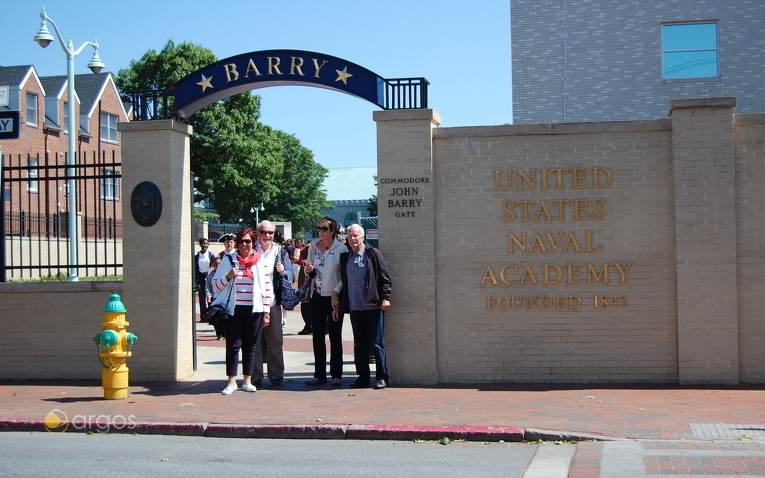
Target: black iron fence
(406, 93)
(153, 105)
(35, 214)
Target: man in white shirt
(273, 261)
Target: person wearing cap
(229, 242)
(202, 267)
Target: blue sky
(461, 48)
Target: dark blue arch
(261, 69)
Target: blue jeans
(368, 330)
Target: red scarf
(248, 263)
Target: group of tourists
(344, 277)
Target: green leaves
(237, 161)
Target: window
(32, 175)
(350, 218)
(31, 108)
(111, 185)
(689, 50)
(66, 116)
(109, 127)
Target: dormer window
(31, 109)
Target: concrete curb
(382, 432)
(319, 431)
(533, 434)
(333, 432)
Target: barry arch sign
(262, 69)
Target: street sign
(4, 95)
(372, 234)
(9, 125)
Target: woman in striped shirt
(239, 288)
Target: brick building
(602, 60)
(39, 207)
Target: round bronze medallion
(146, 204)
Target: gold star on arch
(343, 75)
(205, 83)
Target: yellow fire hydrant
(116, 342)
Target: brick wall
(604, 252)
(601, 60)
(750, 230)
(47, 329)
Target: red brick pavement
(721, 459)
(609, 411)
(586, 461)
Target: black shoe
(316, 381)
(305, 331)
(380, 384)
(258, 384)
(277, 383)
(359, 384)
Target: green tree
(300, 195)
(237, 161)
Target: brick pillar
(158, 277)
(407, 240)
(705, 229)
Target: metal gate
(34, 216)
(370, 228)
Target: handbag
(217, 313)
(304, 292)
(289, 296)
(214, 314)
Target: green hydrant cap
(109, 338)
(115, 304)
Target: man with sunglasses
(273, 260)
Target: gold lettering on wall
(561, 178)
(551, 210)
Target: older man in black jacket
(364, 293)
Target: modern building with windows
(603, 60)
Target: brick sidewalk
(636, 412)
(609, 411)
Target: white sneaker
(229, 390)
(248, 387)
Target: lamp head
(96, 65)
(43, 37)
